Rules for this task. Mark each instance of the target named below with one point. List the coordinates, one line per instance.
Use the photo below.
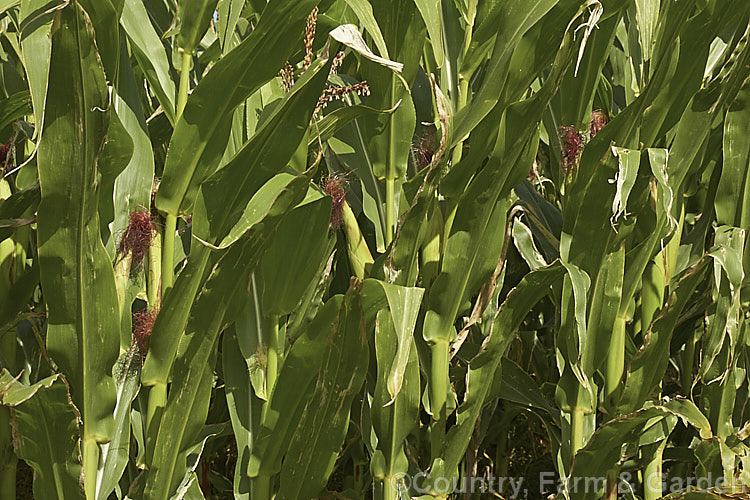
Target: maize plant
(381, 249)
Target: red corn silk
(425, 149)
(143, 323)
(4, 153)
(334, 186)
(137, 237)
(598, 121)
(572, 145)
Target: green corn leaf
(653, 434)
(187, 405)
(76, 271)
(363, 10)
(604, 450)
(402, 265)
(194, 17)
(349, 149)
(657, 158)
(523, 240)
(115, 454)
(114, 157)
(295, 255)
(733, 196)
(316, 385)
(36, 46)
(584, 219)
(393, 417)
(721, 337)
(323, 422)
(403, 304)
(690, 415)
(201, 135)
(227, 195)
(14, 107)
(190, 395)
(532, 288)
(478, 231)
(466, 251)
(455, 182)
(17, 205)
(15, 297)
(690, 134)
(639, 323)
(578, 88)
(544, 219)
(420, 225)
(132, 188)
(312, 299)
(647, 18)
(606, 446)
(46, 427)
(431, 11)
(649, 364)
(387, 139)
(225, 206)
(606, 297)
(536, 49)
(6, 5)
(517, 18)
(105, 18)
(190, 486)
(696, 32)
(482, 37)
(229, 15)
(627, 172)
(244, 409)
(256, 238)
(517, 386)
(174, 470)
(580, 283)
(286, 405)
(709, 457)
(332, 122)
(150, 54)
(251, 328)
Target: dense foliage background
(384, 249)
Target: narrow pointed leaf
(194, 16)
(404, 304)
(115, 454)
(36, 48)
(149, 51)
(76, 271)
